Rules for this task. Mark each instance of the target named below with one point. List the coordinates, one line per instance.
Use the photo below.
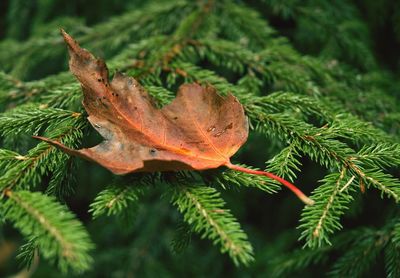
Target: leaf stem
(292, 187)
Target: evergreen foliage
(203, 209)
(322, 100)
(54, 230)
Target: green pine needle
(58, 235)
(203, 209)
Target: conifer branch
(239, 21)
(230, 178)
(202, 208)
(297, 261)
(321, 219)
(30, 168)
(30, 119)
(386, 183)
(289, 185)
(396, 233)
(286, 162)
(304, 104)
(57, 234)
(392, 261)
(116, 199)
(357, 260)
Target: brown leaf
(198, 130)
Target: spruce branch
(297, 261)
(319, 221)
(286, 162)
(62, 179)
(27, 253)
(318, 143)
(30, 119)
(392, 260)
(303, 103)
(244, 25)
(8, 159)
(133, 25)
(386, 183)
(230, 178)
(284, 182)
(359, 257)
(58, 235)
(396, 233)
(36, 91)
(160, 59)
(382, 155)
(116, 199)
(321, 146)
(30, 168)
(203, 209)
(182, 237)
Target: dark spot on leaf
(153, 152)
(229, 126)
(211, 128)
(175, 118)
(99, 80)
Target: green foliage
(360, 256)
(360, 248)
(234, 179)
(322, 102)
(116, 200)
(57, 234)
(392, 258)
(32, 119)
(27, 171)
(297, 261)
(331, 201)
(203, 208)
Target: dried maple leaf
(198, 130)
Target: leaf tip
(74, 48)
(67, 38)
